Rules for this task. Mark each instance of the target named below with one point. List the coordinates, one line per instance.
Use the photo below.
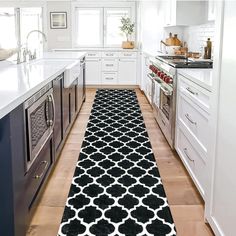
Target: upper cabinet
(181, 13)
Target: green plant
(127, 27)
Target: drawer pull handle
(109, 78)
(109, 64)
(187, 155)
(109, 54)
(191, 91)
(45, 167)
(190, 120)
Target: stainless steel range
(163, 72)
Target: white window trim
(89, 5)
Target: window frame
(101, 26)
(104, 5)
(105, 24)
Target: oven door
(40, 122)
(166, 102)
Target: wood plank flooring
(186, 205)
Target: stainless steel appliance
(163, 71)
(40, 120)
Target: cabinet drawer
(110, 54)
(38, 171)
(109, 78)
(93, 54)
(109, 65)
(194, 119)
(192, 160)
(128, 54)
(196, 93)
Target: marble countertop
(20, 82)
(202, 77)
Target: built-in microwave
(40, 119)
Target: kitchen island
(27, 156)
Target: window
(99, 27)
(113, 35)
(31, 19)
(89, 27)
(8, 26)
(16, 23)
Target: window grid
(105, 41)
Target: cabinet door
(145, 71)
(66, 109)
(93, 71)
(73, 98)
(221, 207)
(127, 71)
(57, 94)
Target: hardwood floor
(186, 205)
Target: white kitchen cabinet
(148, 89)
(93, 71)
(111, 68)
(109, 78)
(221, 195)
(184, 12)
(192, 129)
(127, 71)
(145, 71)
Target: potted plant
(127, 28)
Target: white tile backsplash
(196, 36)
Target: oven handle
(54, 110)
(166, 92)
(48, 120)
(51, 121)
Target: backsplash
(196, 36)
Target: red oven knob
(162, 75)
(159, 73)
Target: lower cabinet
(72, 99)
(38, 172)
(192, 122)
(111, 68)
(192, 160)
(13, 204)
(58, 126)
(93, 71)
(127, 71)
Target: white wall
(196, 36)
(59, 38)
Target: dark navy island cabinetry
(46, 119)
(13, 206)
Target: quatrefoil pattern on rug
(116, 188)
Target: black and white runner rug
(116, 189)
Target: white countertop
(95, 49)
(19, 82)
(202, 77)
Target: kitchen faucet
(26, 49)
(28, 52)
